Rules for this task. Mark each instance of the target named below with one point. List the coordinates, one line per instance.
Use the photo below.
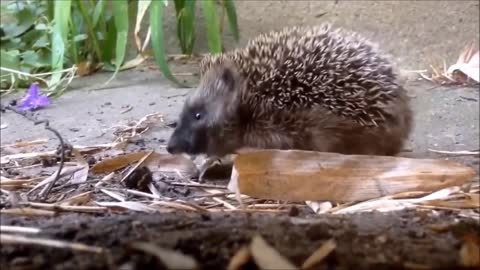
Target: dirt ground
(403, 240)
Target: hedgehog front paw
(208, 163)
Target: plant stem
(73, 43)
(91, 31)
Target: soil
(397, 240)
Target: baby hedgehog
(309, 88)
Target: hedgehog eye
(198, 116)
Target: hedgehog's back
(302, 67)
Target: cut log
(296, 175)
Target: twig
(16, 239)
(466, 153)
(27, 211)
(18, 229)
(47, 127)
(73, 208)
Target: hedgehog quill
(308, 88)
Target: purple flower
(33, 100)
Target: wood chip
(295, 175)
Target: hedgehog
(311, 88)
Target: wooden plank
(296, 175)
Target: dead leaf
(81, 175)
(295, 175)
(79, 199)
(8, 158)
(107, 178)
(142, 9)
(471, 201)
(319, 254)
(65, 171)
(467, 64)
(133, 62)
(470, 251)
(139, 163)
(386, 203)
(114, 195)
(170, 258)
(266, 257)
(117, 163)
(86, 68)
(157, 162)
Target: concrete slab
(416, 33)
(446, 118)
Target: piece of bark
(296, 175)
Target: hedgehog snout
(177, 144)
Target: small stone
(151, 103)
(139, 179)
(381, 239)
(91, 160)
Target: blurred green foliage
(43, 39)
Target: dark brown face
(191, 133)
(206, 112)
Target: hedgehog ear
(228, 77)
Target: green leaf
(31, 37)
(59, 37)
(25, 20)
(12, 44)
(156, 19)
(42, 42)
(232, 18)
(97, 13)
(120, 11)
(185, 26)
(32, 61)
(10, 60)
(213, 27)
(110, 42)
(90, 27)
